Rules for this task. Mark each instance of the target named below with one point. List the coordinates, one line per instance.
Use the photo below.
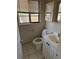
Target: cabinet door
(49, 51)
(46, 48)
(52, 51)
(58, 53)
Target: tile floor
(29, 52)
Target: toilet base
(39, 47)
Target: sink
(54, 40)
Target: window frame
(60, 17)
(48, 12)
(30, 16)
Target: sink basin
(54, 40)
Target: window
(59, 14)
(30, 16)
(59, 17)
(34, 17)
(49, 11)
(47, 17)
(23, 18)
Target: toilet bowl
(38, 43)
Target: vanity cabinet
(49, 51)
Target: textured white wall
(23, 5)
(34, 6)
(53, 26)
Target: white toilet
(38, 43)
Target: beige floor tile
(25, 52)
(40, 55)
(31, 51)
(25, 48)
(26, 57)
(33, 56)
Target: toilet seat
(35, 41)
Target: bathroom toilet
(38, 43)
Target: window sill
(29, 23)
(24, 23)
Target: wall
(53, 27)
(22, 5)
(29, 32)
(19, 47)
